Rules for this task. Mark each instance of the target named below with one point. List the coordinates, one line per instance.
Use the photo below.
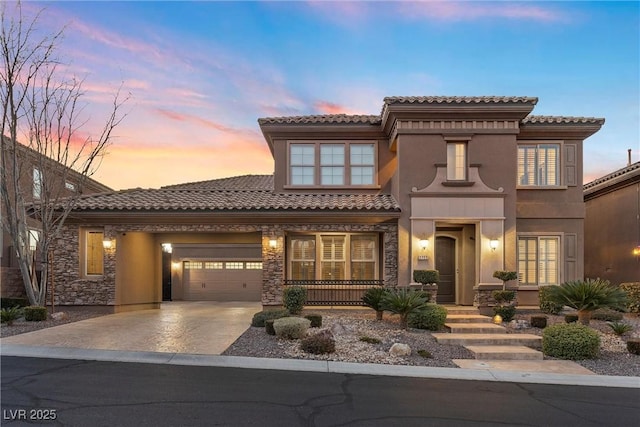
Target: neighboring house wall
(612, 226)
(61, 180)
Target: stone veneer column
(272, 266)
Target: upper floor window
(70, 186)
(539, 165)
(538, 260)
(37, 183)
(34, 239)
(456, 161)
(332, 164)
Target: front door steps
(494, 348)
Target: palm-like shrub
(373, 297)
(587, 296)
(403, 302)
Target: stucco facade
(612, 226)
(465, 185)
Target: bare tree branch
(42, 107)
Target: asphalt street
(39, 391)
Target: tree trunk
(379, 315)
(584, 316)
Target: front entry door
(446, 265)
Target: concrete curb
(317, 366)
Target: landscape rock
(61, 315)
(399, 349)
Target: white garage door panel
(222, 284)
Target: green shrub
(260, 317)
(546, 305)
(315, 319)
(607, 315)
(291, 328)
(35, 313)
(633, 345)
(12, 302)
(507, 312)
(588, 295)
(505, 276)
(572, 341)
(268, 326)
(539, 322)
(373, 297)
(620, 328)
(570, 318)
(424, 353)
(404, 302)
(503, 296)
(632, 290)
(426, 277)
(8, 315)
(294, 298)
(322, 342)
(431, 317)
(370, 340)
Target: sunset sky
(200, 74)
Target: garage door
(212, 280)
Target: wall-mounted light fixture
(109, 244)
(423, 243)
(166, 247)
(493, 244)
(636, 251)
(273, 243)
(175, 265)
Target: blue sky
(201, 73)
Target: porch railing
(335, 292)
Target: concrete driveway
(202, 327)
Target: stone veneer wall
(73, 289)
(12, 284)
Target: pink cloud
(183, 117)
(471, 11)
(326, 107)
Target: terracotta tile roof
(243, 182)
(630, 170)
(323, 119)
(233, 200)
(459, 99)
(563, 120)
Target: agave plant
(403, 302)
(372, 298)
(587, 296)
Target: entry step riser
(467, 318)
(504, 352)
(489, 339)
(467, 311)
(474, 328)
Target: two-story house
(464, 185)
(33, 170)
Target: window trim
(37, 183)
(347, 253)
(347, 165)
(560, 258)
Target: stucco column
(422, 258)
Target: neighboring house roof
(617, 179)
(232, 200)
(243, 182)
